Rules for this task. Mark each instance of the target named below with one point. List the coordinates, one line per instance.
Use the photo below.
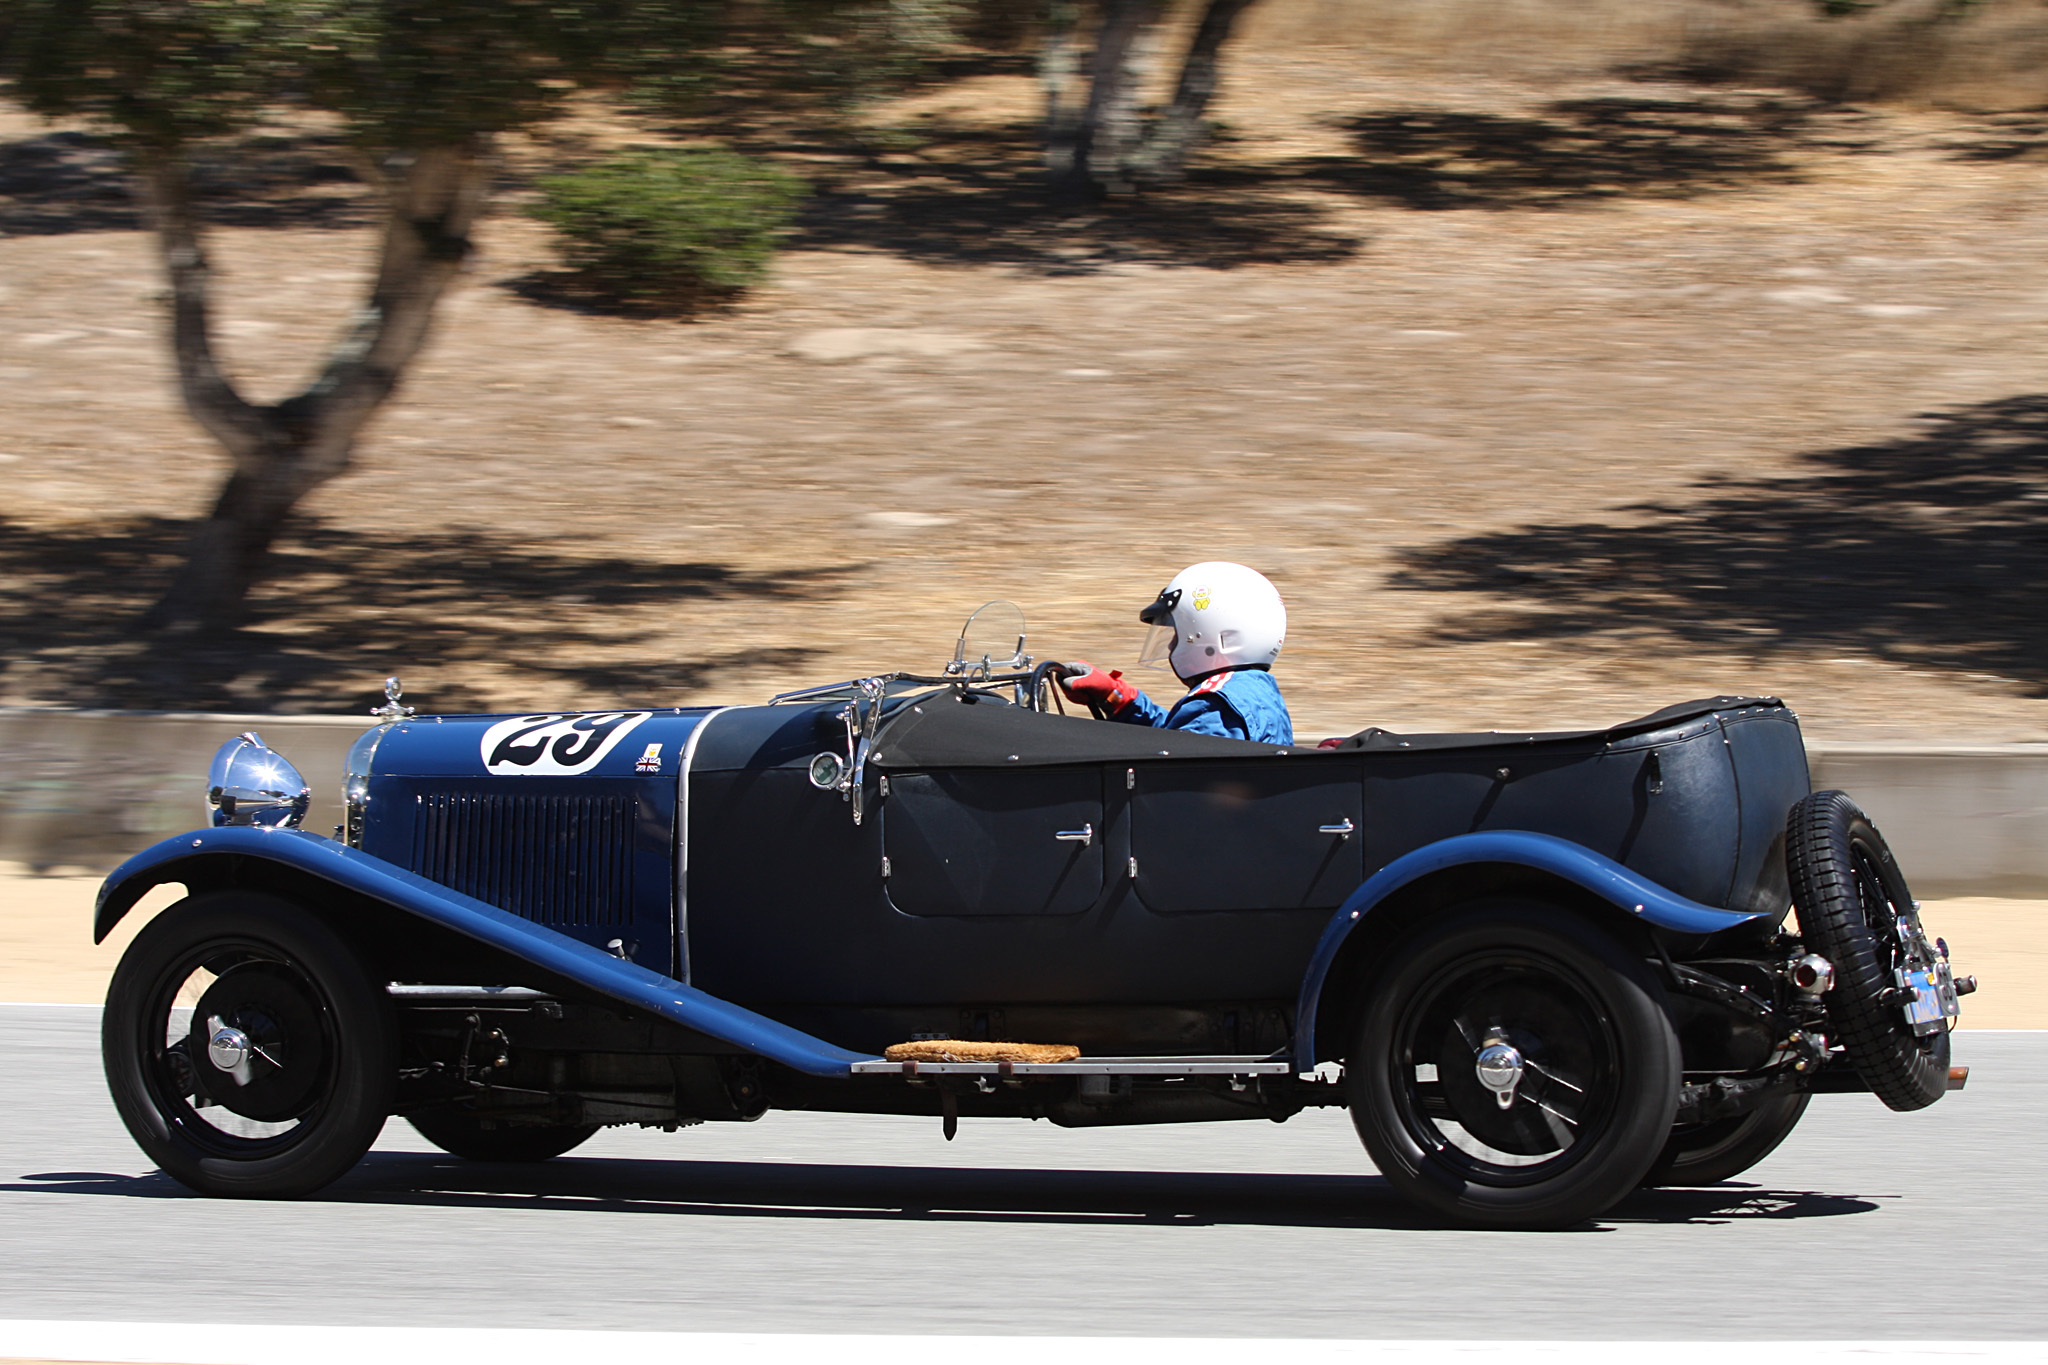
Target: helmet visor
(1157, 651)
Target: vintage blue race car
(1541, 970)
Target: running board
(1087, 1066)
(522, 995)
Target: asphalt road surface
(1866, 1225)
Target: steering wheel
(1043, 684)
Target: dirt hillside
(1546, 399)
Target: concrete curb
(1964, 820)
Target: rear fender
(245, 856)
(1494, 860)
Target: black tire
(1600, 1081)
(320, 1066)
(1709, 1153)
(1849, 894)
(462, 1134)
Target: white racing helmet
(1212, 616)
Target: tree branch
(432, 203)
(209, 395)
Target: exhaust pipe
(1813, 975)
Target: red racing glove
(1106, 690)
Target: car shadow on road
(925, 1194)
(1927, 550)
(341, 609)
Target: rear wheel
(1515, 1068)
(247, 1049)
(1856, 911)
(464, 1135)
(1708, 1153)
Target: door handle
(1342, 829)
(1083, 836)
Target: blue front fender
(590, 967)
(1625, 890)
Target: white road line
(221, 1344)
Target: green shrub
(664, 226)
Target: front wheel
(247, 1049)
(1516, 1068)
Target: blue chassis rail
(670, 999)
(587, 966)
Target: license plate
(1934, 997)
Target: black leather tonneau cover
(1376, 738)
(943, 731)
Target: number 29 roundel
(556, 745)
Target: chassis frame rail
(1087, 1066)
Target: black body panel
(991, 843)
(1208, 873)
(1240, 836)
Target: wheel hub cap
(228, 1050)
(1499, 1067)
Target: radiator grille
(556, 860)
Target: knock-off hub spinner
(228, 1048)
(1499, 1067)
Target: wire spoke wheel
(247, 1050)
(1515, 1068)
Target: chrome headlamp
(355, 791)
(250, 785)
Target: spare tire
(1852, 900)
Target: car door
(1262, 833)
(993, 842)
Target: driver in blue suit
(1219, 626)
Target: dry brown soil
(1545, 404)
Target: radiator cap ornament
(391, 712)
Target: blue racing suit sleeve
(1142, 710)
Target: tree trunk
(1057, 69)
(1112, 125)
(1180, 128)
(281, 452)
(1108, 145)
